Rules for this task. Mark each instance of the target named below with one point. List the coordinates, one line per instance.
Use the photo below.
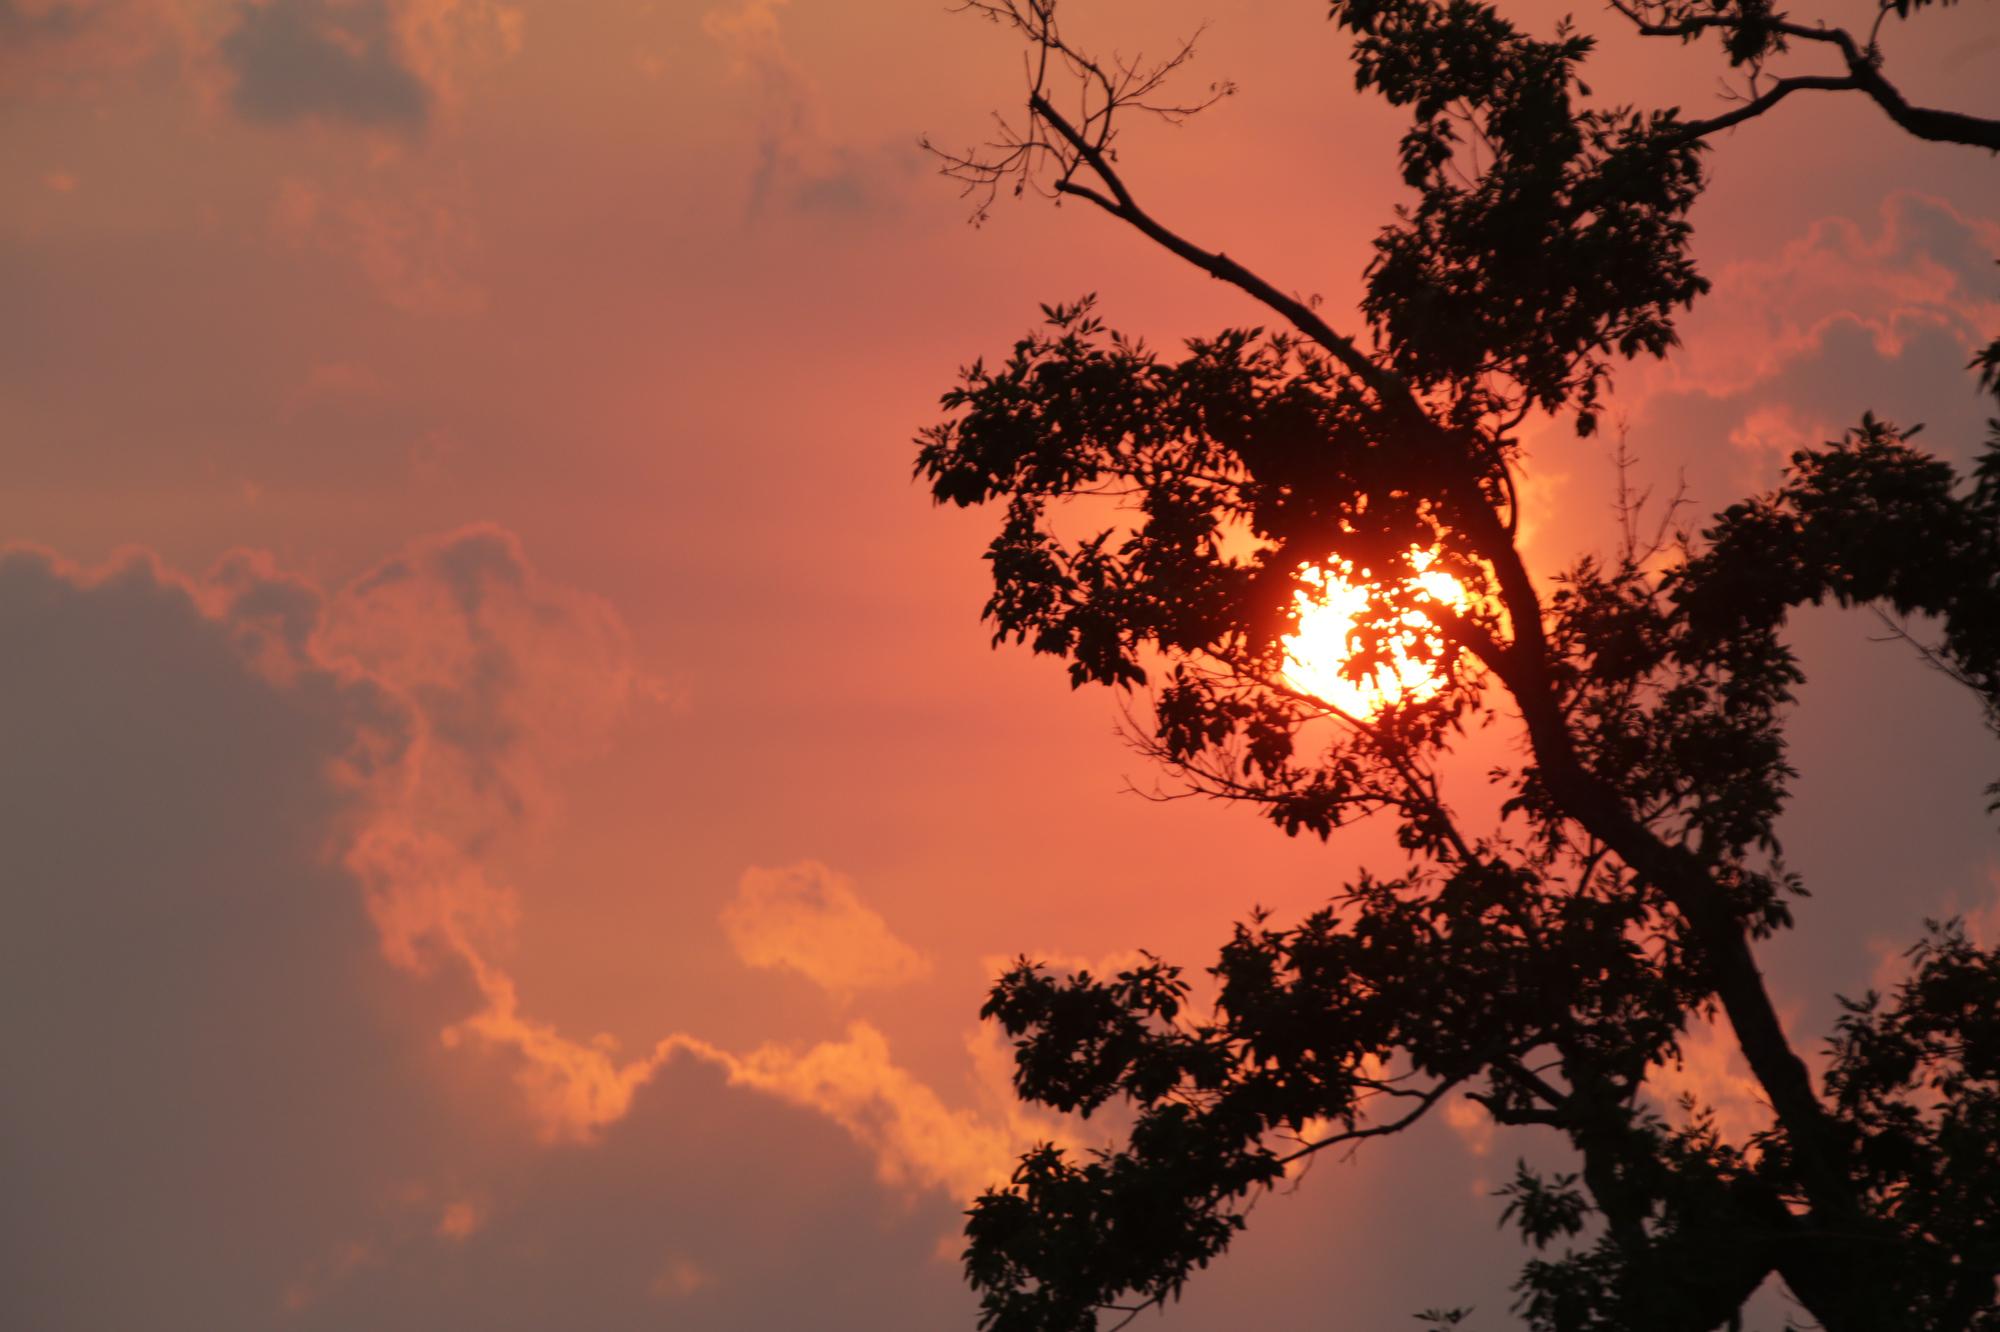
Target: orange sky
(509, 808)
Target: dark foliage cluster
(1546, 235)
(1157, 510)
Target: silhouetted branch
(1070, 146)
(1757, 106)
(1864, 73)
(1938, 661)
(1425, 1100)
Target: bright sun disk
(1326, 609)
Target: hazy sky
(507, 809)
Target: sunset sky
(507, 808)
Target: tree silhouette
(1541, 966)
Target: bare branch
(1073, 154)
(1864, 73)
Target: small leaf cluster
(1444, 982)
(1866, 519)
(1916, 1075)
(1547, 236)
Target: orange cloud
(806, 918)
(414, 243)
(1469, 1120)
(462, 681)
(512, 676)
(1712, 1070)
(56, 48)
(1925, 267)
(800, 166)
(919, 1142)
(460, 1220)
(328, 1273)
(680, 1278)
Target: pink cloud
(806, 918)
(1711, 1069)
(1924, 266)
(76, 48)
(458, 682)
(414, 243)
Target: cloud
(679, 1278)
(56, 48)
(377, 64)
(1473, 1125)
(806, 918)
(460, 1220)
(799, 166)
(919, 1142)
(1926, 268)
(1981, 920)
(338, 60)
(1792, 347)
(215, 1078)
(1711, 1069)
(413, 244)
(256, 955)
(1779, 429)
(50, 20)
(395, 66)
(515, 676)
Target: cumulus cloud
(806, 918)
(339, 60)
(388, 65)
(679, 1278)
(1777, 430)
(919, 1141)
(1924, 268)
(1980, 919)
(53, 48)
(25, 21)
(514, 676)
(1711, 1069)
(209, 1094)
(1791, 347)
(382, 64)
(800, 167)
(1473, 1125)
(246, 824)
(1982, 923)
(460, 1219)
(415, 246)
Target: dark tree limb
(1864, 75)
(1783, 88)
(1521, 665)
(1387, 386)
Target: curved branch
(1779, 91)
(1864, 74)
(1924, 122)
(1424, 1102)
(1387, 386)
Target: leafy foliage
(1545, 236)
(1157, 508)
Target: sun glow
(1327, 608)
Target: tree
(1539, 967)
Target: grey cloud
(54, 23)
(336, 60)
(224, 1110)
(206, 1091)
(800, 167)
(1922, 264)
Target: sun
(1335, 595)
